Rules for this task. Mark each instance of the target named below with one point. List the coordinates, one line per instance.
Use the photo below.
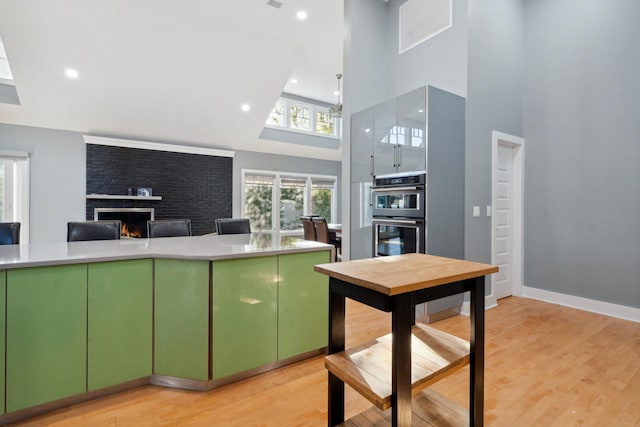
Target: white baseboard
(489, 302)
(600, 307)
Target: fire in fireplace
(134, 220)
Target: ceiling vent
(274, 3)
(421, 20)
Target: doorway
(507, 217)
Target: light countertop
(208, 247)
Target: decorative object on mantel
(121, 197)
(145, 191)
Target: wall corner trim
(594, 306)
(128, 143)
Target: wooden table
(336, 228)
(396, 284)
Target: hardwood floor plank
(546, 365)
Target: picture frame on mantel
(145, 191)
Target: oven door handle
(394, 189)
(395, 221)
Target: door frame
(517, 143)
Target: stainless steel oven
(396, 236)
(399, 196)
(399, 210)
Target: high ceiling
(169, 70)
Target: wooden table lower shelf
(396, 284)
(367, 367)
(429, 409)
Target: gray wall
(274, 162)
(9, 94)
(366, 80)
(494, 102)
(57, 178)
(582, 172)
(440, 61)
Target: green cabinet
(3, 310)
(120, 304)
(46, 334)
(181, 345)
(303, 301)
(245, 314)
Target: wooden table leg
(476, 356)
(336, 344)
(401, 322)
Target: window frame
(20, 196)
(313, 108)
(276, 194)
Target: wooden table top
(393, 275)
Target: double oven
(398, 214)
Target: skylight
(5, 71)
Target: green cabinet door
(46, 334)
(182, 318)
(303, 304)
(3, 299)
(120, 299)
(245, 314)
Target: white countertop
(209, 247)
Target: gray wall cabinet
(399, 134)
(420, 130)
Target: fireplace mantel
(121, 197)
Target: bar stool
(169, 228)
(9, 233)
(93, 230)
(233, 226)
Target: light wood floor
(546, 365)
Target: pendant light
(336, 110)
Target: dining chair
(308, 228)
(233, 226)
(9, 233)
(169, 228)
(323, 235)
(93, 230)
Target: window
(302, 117)
(277, 117)
(5, 71)
(322, 194)
(14, 190)
(325, 124)
(274, 201)
(292, 192)
(258, 196)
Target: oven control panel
(400, 180)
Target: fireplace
(134, 220)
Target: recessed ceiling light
(294, 81)
(71, 73)
(420, 111)
(245, 107)
(301, 15)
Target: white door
(503, 222)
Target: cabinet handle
(394, 155)
(398, 155)
(371, 165)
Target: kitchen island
(84, 319)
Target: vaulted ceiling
(169, 70)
